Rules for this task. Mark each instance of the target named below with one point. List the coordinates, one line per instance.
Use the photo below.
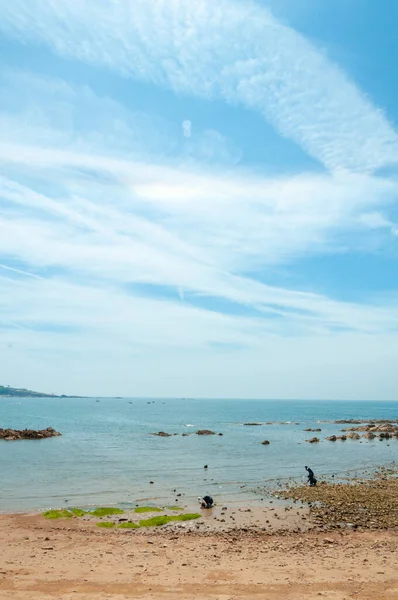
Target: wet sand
(212, 558)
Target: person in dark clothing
(311, 476)
(206, 502)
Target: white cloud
(187, 46)
(99, 312)
(150, 221)
(108, 242)
(237, 221)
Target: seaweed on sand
(57, 514)
(78, 512)
(164, 519)
(106, 511)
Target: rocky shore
(366, 504)
(381, 429)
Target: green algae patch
(147, 509)
(78, 512)
(106, 524)
(105, 512)
(187, 517)
(129, 526)
(58, 514)
(156, 521)
(164, 519)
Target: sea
(106, 455)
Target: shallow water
(106, 455)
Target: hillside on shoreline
(10, 392)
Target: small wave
(189, 425)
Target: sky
(199, 198)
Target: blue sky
(199, 198)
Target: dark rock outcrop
(27, 434)
(313, 440)
(205, 432)
(349, 421)
(265, 443)
(162, 434)
(381, 428)
(353, 436)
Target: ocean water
(106, 455)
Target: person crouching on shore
(206, 502)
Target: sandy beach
(257, 553)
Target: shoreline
(258, 495)
(269, 506)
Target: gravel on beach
(366, 504)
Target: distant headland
(10, 392)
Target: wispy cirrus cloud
(186, 46)
(127, 238)
(241, 220)
(161, 248)
(157, 222)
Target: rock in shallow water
(27, 434)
